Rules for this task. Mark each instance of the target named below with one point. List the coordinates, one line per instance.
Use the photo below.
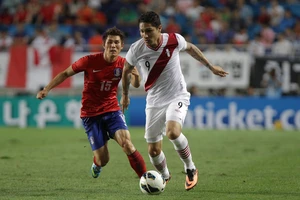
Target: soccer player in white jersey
(156, 56)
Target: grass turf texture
(54, 163)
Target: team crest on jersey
(118, 72)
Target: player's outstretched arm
(127, 70)
(135, 78)
(196, 53)
(58, 79)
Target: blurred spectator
(256, 46)
(225, 34)
(5, 40)
(74, 7)
(99, 19)
(95, 4)
(207, 15)
(216, 23)
(240, 37)
(21, 15)
(20, 34)
(49, 11)
(158, 6)
(263, 16)
(231, 4)
(54, 31)
(110, 9)
(78, 43)
(33, 7)
(210, 36)
(95, 42)
(10, 5)
(289, 34)
(268, 36)
(272, 82)
(85, 14)
(276, 12)
(297, 28)
(193, 12)
(225, 14)
(6, 18)
(246, 12)
(127, 20)
(184, 5)
(42, 44)
(141, 8)
(282, 46)
(236, 22)
(288, 21)
(172, 26)
(193, 90)
(182, 20)
(170, 8)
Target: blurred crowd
(260, 27)
(265, 26)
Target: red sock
(137, 163)
(96, 162)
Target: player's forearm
(126, 80)
(61, 77)
(135, 81)
(198, 55)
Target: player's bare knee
(172, 134)
(153, 152)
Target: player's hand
(42, 94)
(219, 71)
(124, 102)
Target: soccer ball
(152, 182)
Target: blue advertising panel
(203, 113)
(29, 111)
(232, 113)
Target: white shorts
(156, 118)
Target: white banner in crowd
(237, 64)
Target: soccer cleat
(191, 178)
(95, 170)
(168, 179)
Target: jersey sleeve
(81, 64)
(181, 42)
(130, 58)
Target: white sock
(160, 164)
(181, 145)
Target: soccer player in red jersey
(100, 112)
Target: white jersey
(160, 69)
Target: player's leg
(136, 160)
(97, 138)
(101, 158)
(175, 115)
(118, 130)
(155, 122)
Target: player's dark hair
(151, 18)
(113, 31)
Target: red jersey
(101, 80)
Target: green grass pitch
(54, 163)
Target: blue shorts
(101, 128)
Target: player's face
(150, 34)
(113, 45)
